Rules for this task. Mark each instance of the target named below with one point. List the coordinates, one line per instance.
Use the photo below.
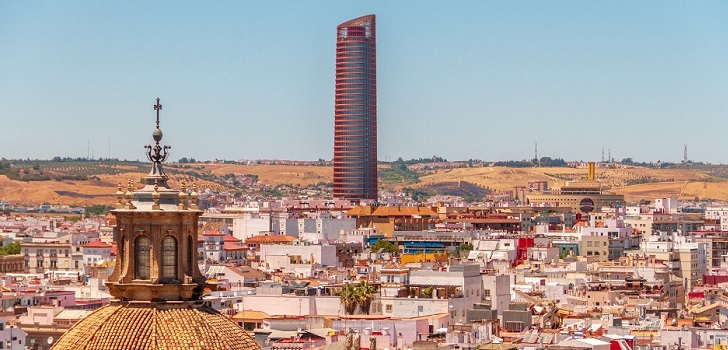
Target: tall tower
(355, 110)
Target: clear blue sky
(466, 79)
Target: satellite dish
(50, 340)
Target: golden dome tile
(144, 326)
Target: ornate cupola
(156, 234)
(156, 283)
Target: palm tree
(364, 295)
(348, 298)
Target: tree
(364, 296)
(466, 246)
(5, 164)
(98, 209)
(388, 246)
(10, 249)
(348, 298)
(427, 292)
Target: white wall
(322, 254)
(250, 225)
(293, 305)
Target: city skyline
(470, 80)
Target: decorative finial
(157, 154)
(182, 196)
(155, 196)
(119, 197)
(193, 197)
(129, 195)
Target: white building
(96, 252)
(292, 257)
(718, 213)
(496, 291)
(251, 224)
(213, 246)
(689, 258)
(321, 226)
(453, 291)
(11, 335)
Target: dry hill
(634, 182)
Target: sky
(460, 80)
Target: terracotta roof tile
(391, 211)
(133, 326)
(213, 233)
(250, 315)
(229, 238)
(271, 239)
(96, 244)
(233, 246)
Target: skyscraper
(355, 110)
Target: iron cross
(157, 107)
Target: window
(169, 258)
(142, 257)
(189, 253)
(389, 308)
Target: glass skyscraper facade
(355, 110)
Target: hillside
(467, 190)
(88, 183)
(65, 186)
(634, 183)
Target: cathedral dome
(156, 285)
(163, 326)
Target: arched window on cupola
(191, 256)
(169, 258)
(142, 257)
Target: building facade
(355, 110)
